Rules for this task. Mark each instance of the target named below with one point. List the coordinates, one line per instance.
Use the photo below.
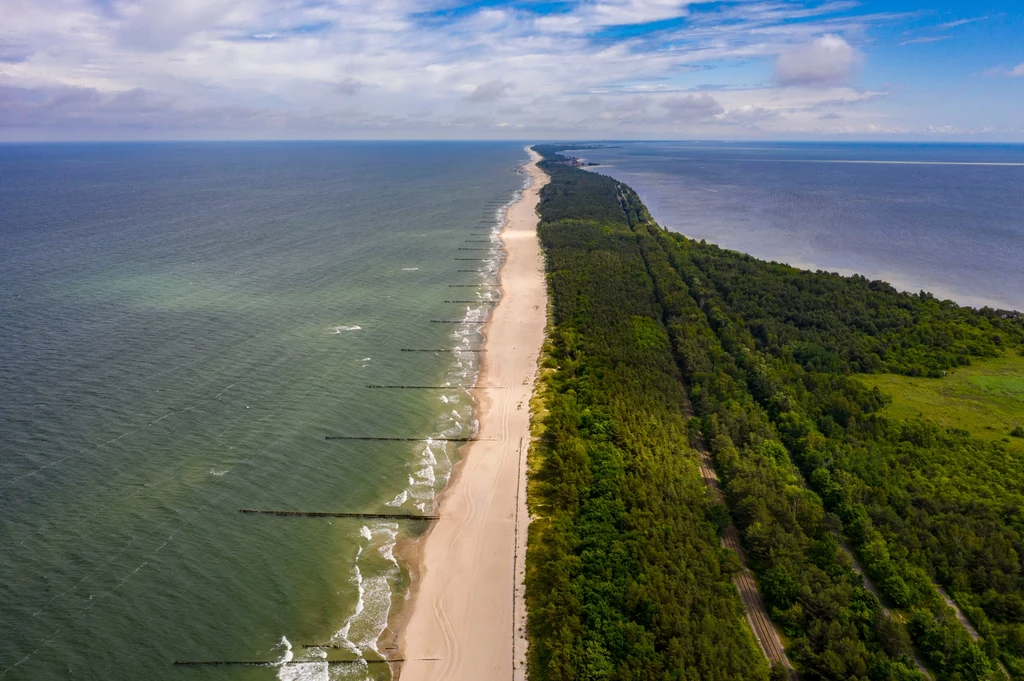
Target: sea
(942, 218)
(182, 327)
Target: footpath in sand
(468, 608)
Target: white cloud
(826, 61)
(1003, 71)
(590, 15)
(336, 68)
(689, 108)
(749, 115)
(489, 91)
(349, 86)
(926, 39)
(957, 131)
(962, 22)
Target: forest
(626, 578)
(646, 321)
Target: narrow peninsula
(883, 544)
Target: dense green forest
(765, 353)
(626, 579)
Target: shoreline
(879, 271)
(469, 566)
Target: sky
(938, 70)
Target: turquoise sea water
(945, 218)
(181, 325)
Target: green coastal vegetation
(985, 399)
(803, 384)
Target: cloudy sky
(288, 69)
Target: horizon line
(518, 140)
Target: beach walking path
(467, 609)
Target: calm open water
(181, 325)
(942, 218)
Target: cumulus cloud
(826, 61)
(340, 68)
(75, 107)
(588, 15)
(956, 130)
(159, 26)
(489, 91)
(749, 115)
(14, 53)
(1003, 71)
(700, 107)
(348, 86)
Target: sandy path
(468, 608)
(757, 616)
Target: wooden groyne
(271, 663)
(471, 301)
(403, 439)
(328, 514)
(434, 387)
(439, 350)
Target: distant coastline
(939, 218)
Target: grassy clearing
(986, 399)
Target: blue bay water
(942, 218)
(181, 325)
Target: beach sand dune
(467, 607)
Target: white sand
(468, 604)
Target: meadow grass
(985, 399)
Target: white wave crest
(399, 499)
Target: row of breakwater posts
(411, 517)
(408, 439)
(331, 514)
(271, 663)
(436, 387)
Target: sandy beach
(467, 607)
